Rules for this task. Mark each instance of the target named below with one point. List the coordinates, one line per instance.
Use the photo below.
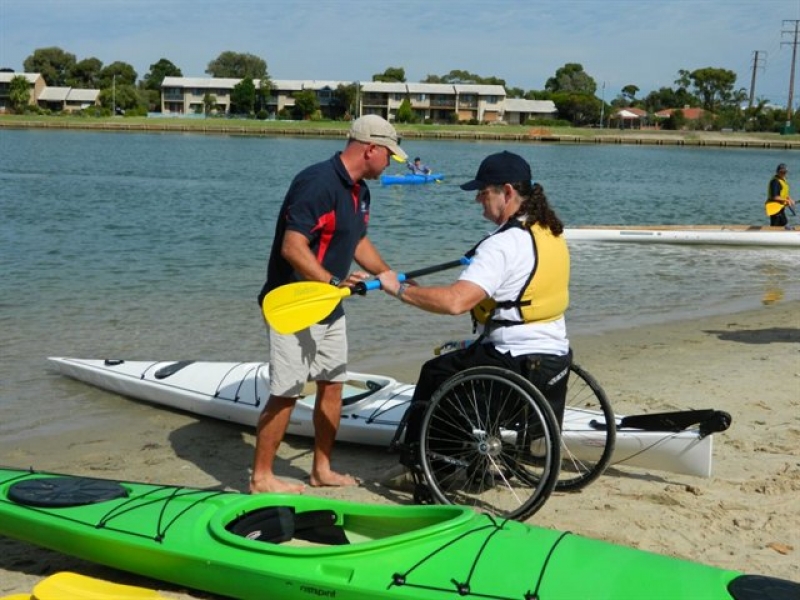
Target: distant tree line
(572, 90)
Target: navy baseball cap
(500, 168)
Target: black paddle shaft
(362, 288)
(436, 268)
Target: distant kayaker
(516, 288)
(778, 199)
(417, 168)
(321, 229)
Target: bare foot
(273, 485)
(332, 479)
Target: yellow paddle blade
(773, 208)
(80, 587)
(296, 306)
(18, 597)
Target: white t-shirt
(501, 266)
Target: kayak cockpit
(278, 524)
(354, 390)
(289, 527)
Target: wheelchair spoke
(588, 433)
(490, 440)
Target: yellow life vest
(545, 295)
(773, 207)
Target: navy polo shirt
(331, 211)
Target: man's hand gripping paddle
(296, 306)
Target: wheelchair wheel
(489, 440)
(588, 433)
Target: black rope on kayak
(147, 369)
(224, 377)
(256, 378)
(465, 585)
(237, 393)
(535, 594)
(461, 588)
(128, 505)
(135, 503)
(645, 449)
(378, 412)
(716, 421)
(493, 526)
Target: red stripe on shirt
(327, 225)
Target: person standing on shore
(321, 229)
(778, 199)
(516, 288)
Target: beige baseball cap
(372, 129)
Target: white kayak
(724, 235)
(372, 408)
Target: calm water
(148, 246)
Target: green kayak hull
(299, 547)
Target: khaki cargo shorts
(318, 353)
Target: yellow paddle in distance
(295, 306)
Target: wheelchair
(490, 440)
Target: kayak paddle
(773, 207)
(80, 587)
(295, 306)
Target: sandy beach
(746, 517)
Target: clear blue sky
(619, 42)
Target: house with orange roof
(690, 114)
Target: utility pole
(753, 79)
(603, 106)
(788, 127)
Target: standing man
(321, 230)
(778, 198)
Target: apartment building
(430, 102)
(57, 99)
(67, 99)
(517, 111)
(36, 85)
(434, 102)
(187, 95)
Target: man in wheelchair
(516, 288)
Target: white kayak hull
(372, 408)
(722, 235)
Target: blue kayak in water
(410, 179)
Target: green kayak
(301, 547)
